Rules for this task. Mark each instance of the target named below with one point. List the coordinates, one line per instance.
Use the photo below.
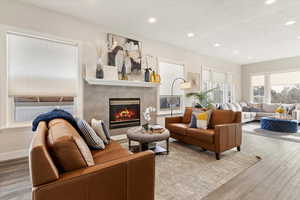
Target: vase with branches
(203, 99)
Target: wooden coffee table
(145, 138)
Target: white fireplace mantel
(124, 83)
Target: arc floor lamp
(183, 86)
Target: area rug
(186, 173)
(189, 173)
(254, 128)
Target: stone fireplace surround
(96, 101)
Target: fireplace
(124, 112)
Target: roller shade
(41, 67)
(168, 72)
(289, 78)
(258, 80)
(219, 77)
(206, 75)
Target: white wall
(33, 19)
(280, 65)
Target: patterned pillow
(97, 126)
(90, 136)
(106, 132)
(202, 119)
(193, 123)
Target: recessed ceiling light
(236, 52)
(217, 45)
(152, 20)
(269, 2)
(298, 37)
(291, 22)
(191, 35)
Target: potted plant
(202, 98)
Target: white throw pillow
(203, 119)
(238, 107)
(97, 126)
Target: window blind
(40, 67)
(168, 72)
(258, 80)
(288, 78)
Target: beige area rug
(189, 173)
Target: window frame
(226, 84)
(6, 101)
(265, 85)
(182, 100)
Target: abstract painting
(124, 53)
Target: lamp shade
(185, 85)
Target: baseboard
(13, 155)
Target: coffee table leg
(129, 144)
(140, 147)
(167, 142)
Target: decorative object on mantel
(110, 72)
(147, 116)
(147, 74)
(151, 63)
(99, 68)
(184, 85)
(125, 54)
(202, 98)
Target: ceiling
(248, 30)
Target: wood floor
(277, 176)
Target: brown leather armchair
(224, 131)
(116, 174)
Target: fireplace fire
(124, 112)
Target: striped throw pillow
(97, 126)
(90, 136)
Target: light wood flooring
(276, 176)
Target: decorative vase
(147, 75)
(99, 70)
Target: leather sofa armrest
(228, 136)
(177, 119)
(131, 177)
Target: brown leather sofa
(115, 173)
(224, 131)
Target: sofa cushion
(264, 114)
(269, 108)
(221, 117)
(238, 107)
(225, 106)
(187, 115)
(178, 128)
(206, 135)
(112, 151)
(68, 149)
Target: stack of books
(156, 128)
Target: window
(168, 72)
(27, 108)
(258, 88)
(222, 82)
(42, 74)
(285, 87)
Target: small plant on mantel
(203, 100)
